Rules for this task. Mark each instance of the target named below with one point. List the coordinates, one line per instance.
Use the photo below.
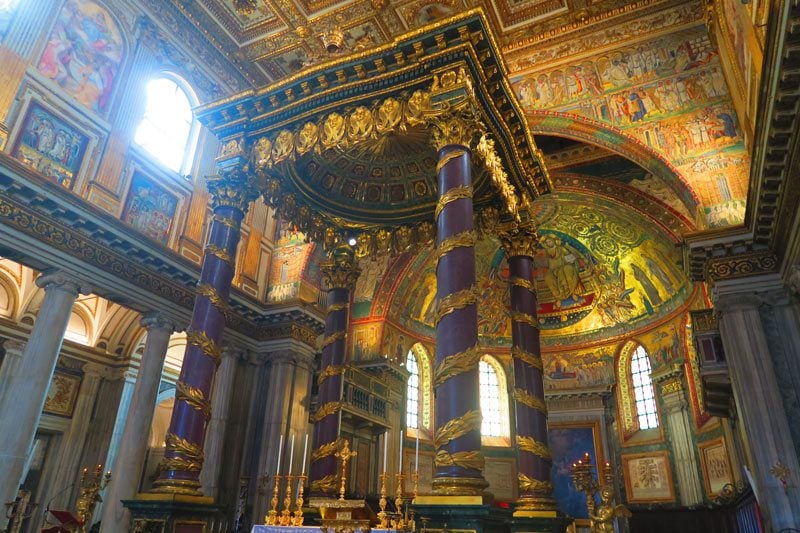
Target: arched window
(643, 389)
(167, 130)
(495, 428)
(418, 401)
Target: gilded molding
(455, 301)
(471, 459)
(209, 347)
(456, 364)
(188, 449)
(330, 339)
(326, 409)
(194, 398)
(524, 318)
(465, 239)
(329, 372)
(457, 427)
(326, 450)
(451, 195)
(531, 445)
(527, 399)
(527, 484)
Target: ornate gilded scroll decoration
(193, 397)
(524, 283)
(338, 307)
(458, 427)
(527, 357)
(451, 195)
(326, 484)
(204, 289)
(456, 364)
(179, 463)
(525, 318)
(329, 372)
(459, 240)
(209, 347)
(234, 188)
(499, 176)
(527, 484)
(454, 127)
(225, 221)
(326, 450)
(531, 445)
(455, 301)
(330, 339)
(519, 240)
(326, 409)
(184, 447)
(525, 398)
(472, 459)
(220, 253)
(449, 156)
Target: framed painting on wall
(716, 466)
(568, 442)
(62, 394)
(648, 477)
(150, 208)
(49, 144)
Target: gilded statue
(283, 147)
(418, 104)
(261, 152)
(333, 130)
(360, 124)
(389, 115)
(603, 517)
(307, 137)
(403, 236)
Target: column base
(459, 486)
(165, 513)
(533, 506)
(460, 517)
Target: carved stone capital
(233, 188)
(747, 301)
(58, 279)
(519, 240)
(157, 321)
(340, 270)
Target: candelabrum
(20, 510)
(297, 519)
(384, 523)
(286, 514)
(399, 522)
(584, 479)
(272, 517)
(90, 486)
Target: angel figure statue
(603, 518)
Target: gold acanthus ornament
(457, 427)
(234, 188)
(340, 269)
(527, 484)
(519, 240)
(499, 176)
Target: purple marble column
(533, 454)
(231, 195)
(340, 272)
(459, 461)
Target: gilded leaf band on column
(527, 399)
(531, 445)
(527, 357)
(225, 221)
(458, 427)
(456, 193)
(329, 372)
(456, 364)
(181, 464)
(524, 283)
(204, 289)
(188, 449)
(219, 253)
(525, 318)
(527, 484)
(193, 397)
(208, 346)
(326, 484)
(449, 156)
(338, 307)
(455, 301)
(330, 339)
(471, 459)
(326, 450)
(326, 409)
(465, 239)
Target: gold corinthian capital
(340, 270)
(519, 240)
(233, 188)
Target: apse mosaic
(600, 271)
(670, 94)
(83, 53)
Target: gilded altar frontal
(414, 265)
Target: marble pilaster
(22, 400)
(127, 467)
(775, 467)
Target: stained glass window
(494, 399)
(643, 389)
(412, 403)
(166, 129)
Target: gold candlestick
(272, 517)
(399, 522)
(286, 514)
(384, 523)
(345, 455)
(415, 477)
(90, 486)
(297, 519)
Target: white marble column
(122, 415)
(217, 425)
(11, 361)
(775, 465)
(22, 400)
(72, 441)
(679, 425)
(127, 468)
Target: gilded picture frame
(648, 477)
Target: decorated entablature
(347, 148)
